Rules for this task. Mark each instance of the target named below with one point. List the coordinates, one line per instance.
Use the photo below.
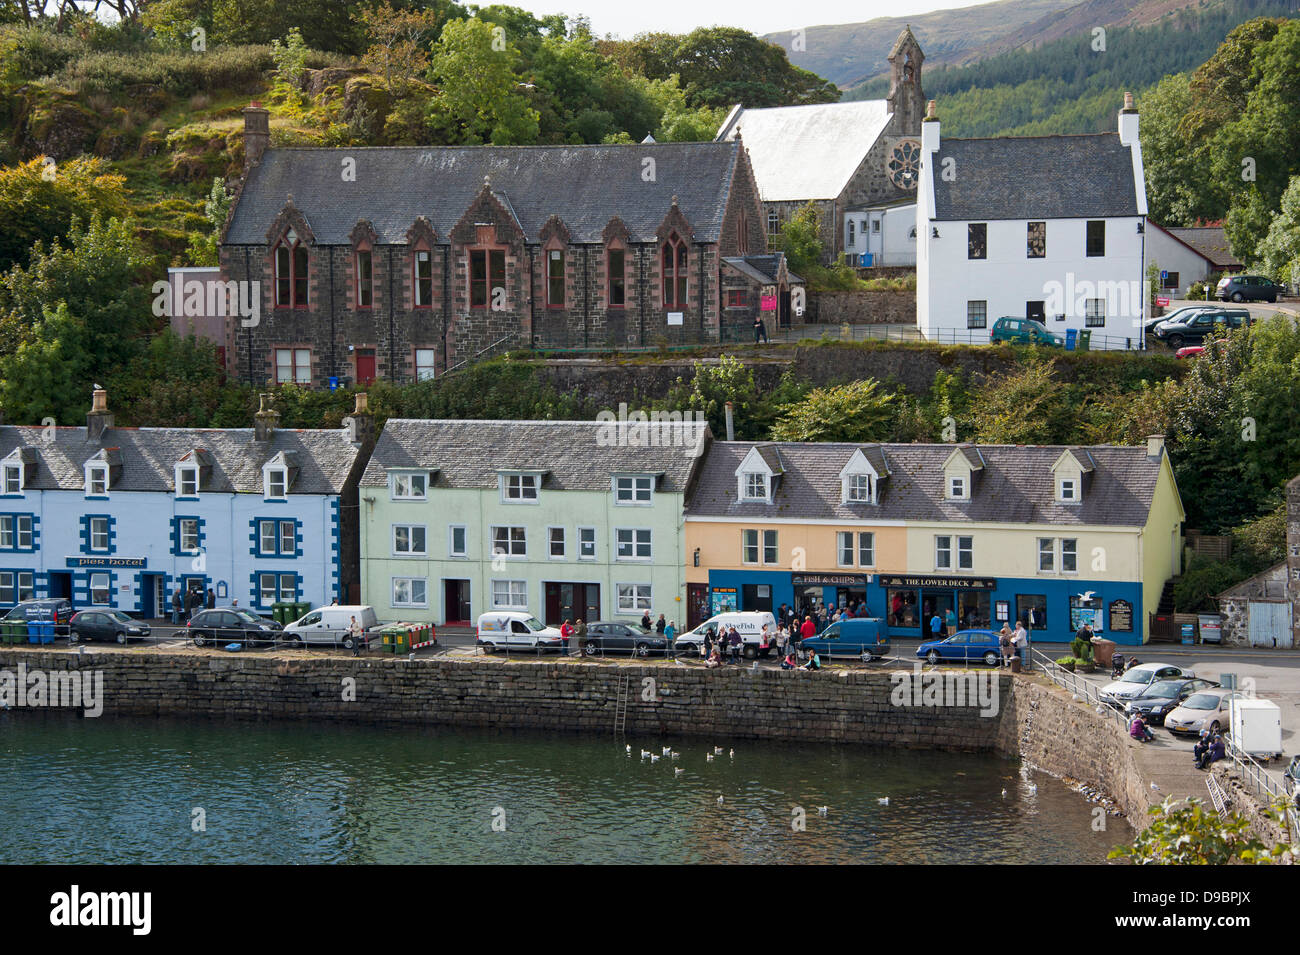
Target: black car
(1193, 327)
(614, 637)
(1248, 288)
(58, 609)
(1155, 702)
(222, 625)
(106, 625)
(1177, 315)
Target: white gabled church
(1044, 227)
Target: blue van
(851, 637)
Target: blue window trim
(335, 550)
(85, 534)
(176, 535)
(255, 537)
(36, 533)
(257, 590)
(81, 588)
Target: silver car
(1204, 710)
(1134, 681)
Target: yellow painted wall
(721, 547)
(1160, 555)
(1012, 551)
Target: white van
(511, 629)
(329, 625)
(749, 623)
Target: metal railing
(1264, 786)
(479, 354)
(1076, 684)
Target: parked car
(1248, 288)
(222, 625)
(515, 629)
(58, 609)
(1177, 315)
(616, 637)
(1192, 328)
(1134, 681)
(1164, 696)
(105, 625)
(1189, 351)
(863, 637)
(963, 646)
(1204, 710)
(1024, 331)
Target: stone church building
(855, 160)
(402, 263)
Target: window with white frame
(633, 489)
(409, 487)
(1069, 555)
(555, 542)
(100, 589)
(586, 543)
(633, 543)
(96, 480)
(749, 546)
(755, 486)
(1069, 488)
(187, 482)
(509, 595)
(12, 481)
(424, 364)
(866, 549)
(943, 552)
(857, 488)
(410, 592)
(408, 540)
(519, 487)
(15, 531)
(1046, 555)
(862, 547)
(633, 598)
(957, 488)
(457, 542)
(770, 551)
(99, 533)
(16, 586)
(844, 548)
(965, 553)
(277, 538)
(510, 541)
(293, 365)
(187, 534)
(273, 587)
(277, 483)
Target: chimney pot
(266, 420)
(98, 419)
(99, 401)
(931, 110)
(731, 428)
(363, 403)
(257, 134)
(1128, 100)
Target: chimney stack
(930, 131)
(98, 419)
(363, 426)
(1155, 445)
(257, 134)
(266, 420)
(1128, 122)
(731, 427)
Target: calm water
(115, 790)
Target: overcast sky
(626, 18)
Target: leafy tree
(1279, 251)
(290, 57)
(1177, 174)
(1024, 406)
(398, 38)
(203, 246)
(857, 411)
(481, 101)
(801, 239)
(175, 381)
(39, 203)
(1190, 833)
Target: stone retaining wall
(862, 308)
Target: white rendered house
(1046, 227)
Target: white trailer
(1257, 727)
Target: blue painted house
(120, 517)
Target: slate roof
(149, 456)
(1035, 177)
(1015, 487)
(761, 268)
(468, 454)
(1211, 242)
(806, 152)
(585, 186)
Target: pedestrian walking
(211, 601)
(580, 636)
(760, 329)
(936, 627)
(178, 607)
(1022, 643)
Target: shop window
(1031, 610)
(903, 608)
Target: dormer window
(756, 487)
(187, 481)
(519, 487)
(957, 488)
(409, 487)
(96, 480)
(11, 480)
(857, 487)
(633, 489)
(277, 483)
(1069, 490)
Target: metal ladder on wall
(1217, 796)
(620, 704)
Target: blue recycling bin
(1071, 338)
(40, 631)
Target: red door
(365, 366)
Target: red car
(1189, 351)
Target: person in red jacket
(566, 631)
(808, 630)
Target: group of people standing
(1014, 643)
(185, 604)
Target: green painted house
(563, 519)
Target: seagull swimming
(667, 750)
(709, 757)
(883, 800)
(678, 771)
(719, 800)
(629, 749)
(718, 750)
(822, 810)
(733, 754)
